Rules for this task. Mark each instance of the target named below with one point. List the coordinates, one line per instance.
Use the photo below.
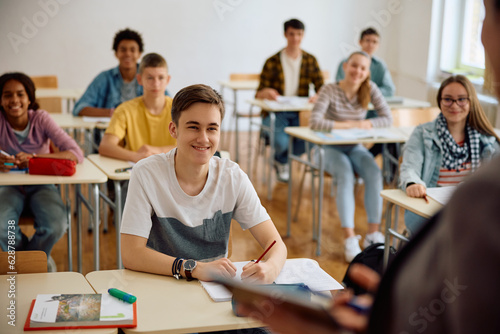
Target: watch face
(189, 265)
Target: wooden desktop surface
(28, 286)
(86, 172)
(167, 305)
(415, 205)
(64, 93)
(109, 165)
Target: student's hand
(415, 190)
(365, 124)
(9, 160)
(284, 320)
(268, 93)
(23, 158)
(262, 273)
(206, 271)
(313, 99)
(145, 151)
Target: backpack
(372, 257)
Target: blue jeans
(281, 139)
(342, 161)
(47, 207)
(414, 222)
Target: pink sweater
(42, 129)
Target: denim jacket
(423, 154)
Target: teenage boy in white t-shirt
(180, 204)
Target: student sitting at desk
(180, 204)
(288, 73)
(379, 74)
(139, 127)
(445, 151)
(343, 105)
(25, 132)
(117, 85)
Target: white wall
(205, 40)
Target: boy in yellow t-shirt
(139, 127)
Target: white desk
(86, 173)
(108, 167)
(235, 86)
(310, 137)
(398, 198)
(28, 286)
(167, 305)
(271, 130)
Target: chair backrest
(25, 262)
(51, 104)
(244, 76)
(414, 117)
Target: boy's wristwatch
(189, 266)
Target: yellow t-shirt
(134, 123)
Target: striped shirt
(453, 177)
(333, 105)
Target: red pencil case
(51, 166)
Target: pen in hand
(122, 170)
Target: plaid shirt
(272, 74)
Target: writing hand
(416, 190)
(261, 272)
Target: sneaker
(351, 247)
(373, 238)
(282, 171)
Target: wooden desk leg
(118, 219)
(95, 190)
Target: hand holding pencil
(257, 271)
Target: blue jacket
(423, 155)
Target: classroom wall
(206, 40)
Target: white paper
(305, 271)
(90, 119)
(288, 102)
(441, 194)
(355, 133)
(113, 309)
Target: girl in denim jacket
(445, 151)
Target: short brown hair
(190, 95)
(152, 60)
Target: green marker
(122, 295)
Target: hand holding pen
(7, 161)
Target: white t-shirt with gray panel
(191, 227)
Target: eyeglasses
(461, 101)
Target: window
(461, 50)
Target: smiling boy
(178, 213)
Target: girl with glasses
(445, 151)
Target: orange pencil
(425, 197)
(265, 252)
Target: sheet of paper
(355, 133)
(441, 194)
(305, 271)
(90, 119)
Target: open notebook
(305, 271)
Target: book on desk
(71, 311)
(294, 271)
